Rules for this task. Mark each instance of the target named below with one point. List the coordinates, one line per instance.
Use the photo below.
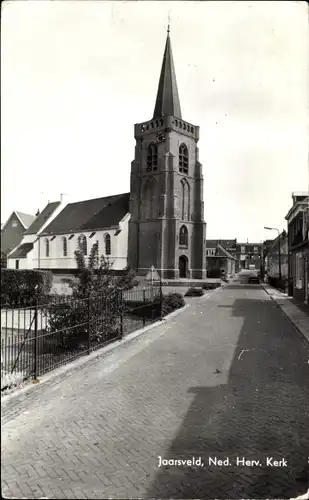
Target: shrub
(194, 292)
(23, 287)
(127, 280)
(171, 302)
(72, 323)
(97, 298)
(207, 286)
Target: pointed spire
(167, 102)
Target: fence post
(161, 299)
(121, 313)
(36, 342)
(89, 322)
(144, 302)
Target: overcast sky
(76, 76)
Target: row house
(220, 256)
(23, 255)
(12, 232)
(248, 256)
(298, 246)
(272, 264)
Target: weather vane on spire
(168, 22)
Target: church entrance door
(183, 266)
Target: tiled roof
(42, 217)
(26, 219)
(225, 243)
(211, 243)
(22, 251)
(90, 215)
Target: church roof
(42, 217)
(21, 251)
(167, 102)
(88, 215)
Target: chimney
(63, 198)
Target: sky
(77, 75)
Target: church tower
(167, 228)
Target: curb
(299, 331)
(71, 367)
(208, 293)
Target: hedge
(22, 287)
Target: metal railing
(40, 338)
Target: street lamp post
(279, 249)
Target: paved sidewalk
(226, 378)
(297, 313)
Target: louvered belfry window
(152, 157)
(183, 159)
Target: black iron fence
(37, 339)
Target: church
(159, 223)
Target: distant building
(23, 255)
(12, 233)
(220, 256)
(298, 246)
(271, 256)
(248, 255)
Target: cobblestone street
(226, 378)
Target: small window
(65, 246)
(242, 249)
(183, 159)
(14, 224)
(183, 236)
(46, 247)
(16, 264)
(256, 250)
(82, 243)
(107, 244)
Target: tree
(92, 313)
(97, 276)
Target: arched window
(46, 247)
(64, 246)
(149, 200)
(183, 236)
(107, 244)
(152, 157)
(82, 243)
(183, 159)
(185, 200)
